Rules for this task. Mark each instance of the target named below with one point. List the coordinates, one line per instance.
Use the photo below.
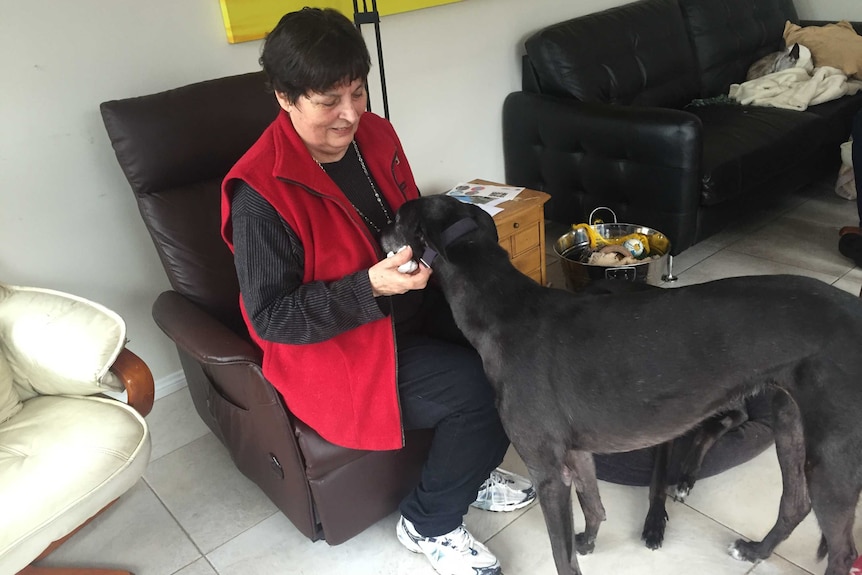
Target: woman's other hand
(387, 280)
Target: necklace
(374, 190)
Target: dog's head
(431, 225)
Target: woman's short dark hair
(313, 50)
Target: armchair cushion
(58, 343)
(10, 403)
(63, 459)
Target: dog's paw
(653, 533)
(584, 545)
(745, 551)
(683, 488)
(679, 495)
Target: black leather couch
(618, 108)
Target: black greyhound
(793, 335)
(705, 436)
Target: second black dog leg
(706, 436)
(656, 519)
(587, 487)
(795, 501)
(554, 488)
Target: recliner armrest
(644, 163)
(199, 334)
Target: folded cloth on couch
(795, 88)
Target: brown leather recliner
(174, 148)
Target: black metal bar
(380, 60)
(373, 17)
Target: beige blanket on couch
(795, 88)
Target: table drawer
(518, 223)
(528, 262)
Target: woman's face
(327, 121)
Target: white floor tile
(693, 544)
(828, 209)
(851, 281)
(173, 423)
(746, 498)
(207, 494)
(796, 242)
(731, 263)
(136, 533)
(199, 567)
(275, 546)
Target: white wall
(68, 220)
(829, 9)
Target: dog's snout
(390, 237)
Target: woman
(850, 240)
(302, 211)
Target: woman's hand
(387, 280)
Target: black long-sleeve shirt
(269, 259)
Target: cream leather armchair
(67, 451)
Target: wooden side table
(521, 229)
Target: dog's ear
(432, 217)
(484, 221)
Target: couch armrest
(137, 379)
(200, 335)
(644, 163)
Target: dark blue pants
(857, 161)
(442, 385)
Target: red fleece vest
(344, 388)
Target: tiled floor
(194, 514)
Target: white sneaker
(504, 491)
(455, 553)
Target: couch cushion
(10, 403)
(634, 54)
(837, 45)
(57, 342)
(62, 459)
(745, 147)
(729, 35)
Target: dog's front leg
(554, 488)
(583, 469)
(656, 519)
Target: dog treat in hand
(405, 268)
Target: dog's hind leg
(707, 435)
(583, 470)
(834, 499)
(656, 519)
(795, 503)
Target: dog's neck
(466, 281)
(449, 236)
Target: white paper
(485, 196)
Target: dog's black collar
(449, 235)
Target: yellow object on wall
(246, 20)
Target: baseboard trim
(170, 383)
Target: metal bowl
(573, 248)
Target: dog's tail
(822, 549)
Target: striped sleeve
(269, 261)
